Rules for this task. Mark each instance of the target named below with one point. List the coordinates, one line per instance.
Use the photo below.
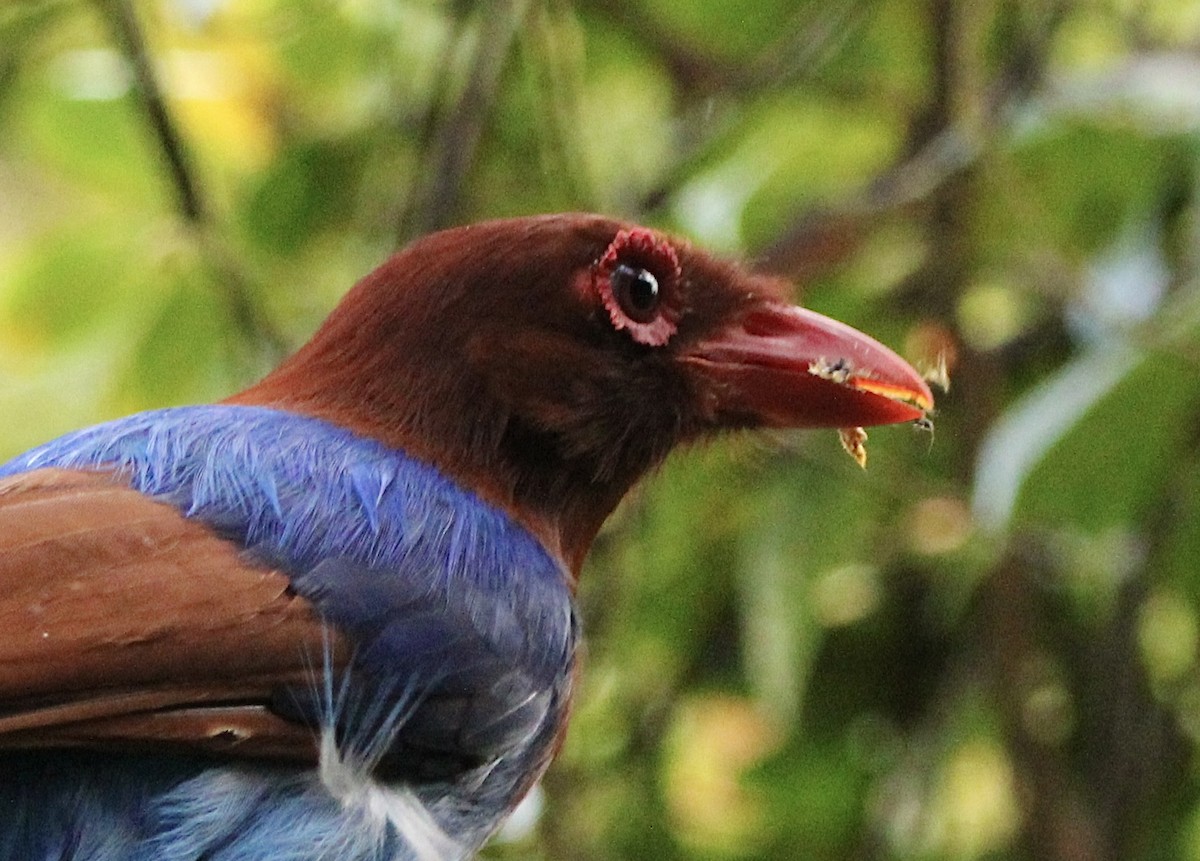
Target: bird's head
(546, 363)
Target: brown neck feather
(390, 372)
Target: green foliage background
(983, 647)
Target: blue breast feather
(463, 625)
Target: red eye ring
(637, 279)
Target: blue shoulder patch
(447, 599)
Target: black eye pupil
(637, 292)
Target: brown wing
(124, 623)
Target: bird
(333, 616)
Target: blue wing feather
(299, 492)
(463, 624)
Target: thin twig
(128, 34)
(719, 94)
(942, 149)
(427, 126)
(457, 139)
(21, 25)
(821, 237)
(557, 79)
(255, 327)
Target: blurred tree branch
(960, 124)
(453, 139)
(256, 329)
(557, 75)
(128, 33)
(20, 25)
(718, 93)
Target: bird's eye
(636, 291)
(638, 280)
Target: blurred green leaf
(182, 356)
(308, 189)
(69, 285)
(1109, 467)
